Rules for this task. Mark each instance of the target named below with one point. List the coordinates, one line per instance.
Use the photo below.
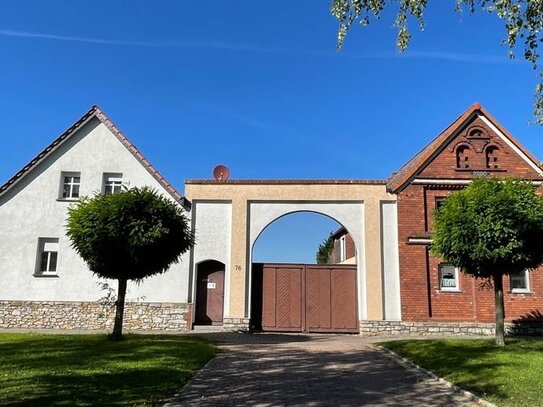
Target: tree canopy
(492, 228)
(324, 252)
(128, 236)
(523, 22)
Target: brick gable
(477, 149)
(437, 174)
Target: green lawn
(45, 370)
(512, 376)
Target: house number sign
(211, 285)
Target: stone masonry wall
(61, 315)
(392, 328)
(236, 324)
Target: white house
(45, 282)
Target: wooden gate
(305, 298)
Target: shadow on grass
(91, 370)
(478, 365)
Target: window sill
(67, 199)
(450, 291)
(528, 292)
(45, 275)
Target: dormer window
(492, 157)
(462, 157)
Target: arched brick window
(476, 133)
(492, 157)
(462, 157)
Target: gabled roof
(94, 111)
(401, 178)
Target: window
(462, 157)
(342, 248)
(47, 256)
(520, 282)
(439, 202)
(71, 182)
(448, 278)
(112, 183)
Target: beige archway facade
(229, 216)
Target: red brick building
(431, 290)
(344, 250)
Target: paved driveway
(308, 370)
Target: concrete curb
(409, 364)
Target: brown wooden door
(210, 293)
(305, 298)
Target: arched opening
(290, 291)
(209, 307)
(295, 238)
(492, 157)
(463, 159)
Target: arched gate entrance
(229, 216)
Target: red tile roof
(95, 111)
(401, 178)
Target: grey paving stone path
(272, 370)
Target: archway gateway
(229, 216)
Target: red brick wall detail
(509, 163)
(421, 297)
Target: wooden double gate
(304, 298)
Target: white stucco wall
(390, 262)
(213, 227)
(348, 214)
(31, 209)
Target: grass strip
(90, 370)
(508, 377)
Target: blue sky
(255, 85)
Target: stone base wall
(391, 328)
(138, 316)
(236, 324)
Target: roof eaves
(141, 158)
(48, 150)
(402, 177)
(507, 134)
(95, 111)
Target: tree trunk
(499, 309)
(117, 333)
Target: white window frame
(342, 249)
(113, 181)
(47, 245)
(71, 183)
(455, 288)
(526, 279)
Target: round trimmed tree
(128, 236)
(492, 228)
